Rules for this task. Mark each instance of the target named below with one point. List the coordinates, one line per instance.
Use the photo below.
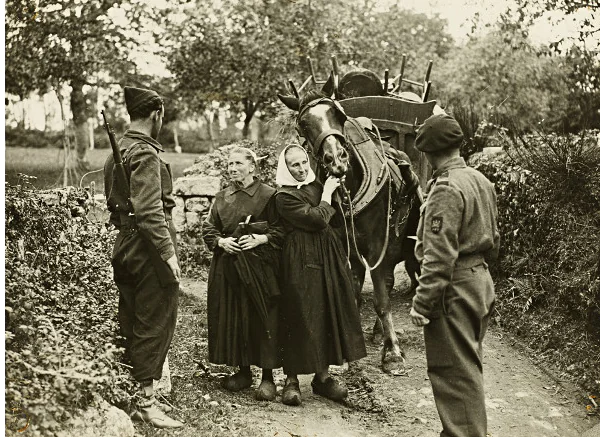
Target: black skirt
(237, 334)
(320, 319)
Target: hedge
(61, 311)
(548, 277)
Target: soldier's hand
(174, 266)
(230, 245)
(248, 242)
(417, 318)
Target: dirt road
(522, 399)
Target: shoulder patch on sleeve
(436, 224)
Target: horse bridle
(315, 149)
(318, 142)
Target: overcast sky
(551, 27)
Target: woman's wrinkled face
(297, 163)
(240, 168)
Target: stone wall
(193, 196)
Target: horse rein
(316, 147)
(387, 216)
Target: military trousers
(453, 344)
(147, 309)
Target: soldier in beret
(144, 259)
(456, 239)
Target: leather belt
(468, 261)
(128, 222)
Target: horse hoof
(394, 363)
(409, 292)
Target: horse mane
(311, 96)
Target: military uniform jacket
(458, 223)
(151, 190)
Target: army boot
(148, 410)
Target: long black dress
(236, 334)
(320, 319)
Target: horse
(380, 231)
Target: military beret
(136, 97)
(439, 132)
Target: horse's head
(321, 121)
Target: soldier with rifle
(139, 190)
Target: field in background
(46, 164)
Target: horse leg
(411, 265)
(413, 270)
(378, 335)
(358, 279)
(392, 359)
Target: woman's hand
(229, 245)
(331, 184)
(248, 242)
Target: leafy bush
(194, 256)
(568, 166)
(548, 281)
(61, 307)
(473, 126)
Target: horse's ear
(290, 101)
(328, 87)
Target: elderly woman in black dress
(320, 319)
(237, 334)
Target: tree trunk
(21, 123)
(91, 134)
(45, 114)
(249, 109)
(79, 110)
(66, 145)
(93, 117)
(176, 138)
(209, 116)
(262, 130)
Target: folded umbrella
(249, 267)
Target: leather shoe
(152, 415)
(266, 391)
(238, 381)
(291, 394)
(330, 388)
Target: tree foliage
(506, 79)
(74, 42)
(379, 37)
(243, 53)
(525, 12)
